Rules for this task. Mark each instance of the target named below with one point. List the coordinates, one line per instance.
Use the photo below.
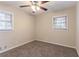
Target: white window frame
(66, 29)
(11, 21)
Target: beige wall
(77, 32)
(25, 26)
(45, 31)
(23, 31)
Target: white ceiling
(51, 6)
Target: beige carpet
(40, 49)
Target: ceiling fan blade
(45, 9)
(42, 2)
(25, 6)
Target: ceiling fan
(35, 5)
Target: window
(60, 22)
(5, 21)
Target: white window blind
(60, 22)
(5, 21)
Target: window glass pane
(2, 25)
(2, 15)
(8, 25)
(60, 22)
(5, 21)
(8, 17)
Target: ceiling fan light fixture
(33, 8)
(38, 8)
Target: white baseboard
(31, 41)
(57, 44)
(15, 46)
(77, 51)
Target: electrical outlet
(3, 48)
